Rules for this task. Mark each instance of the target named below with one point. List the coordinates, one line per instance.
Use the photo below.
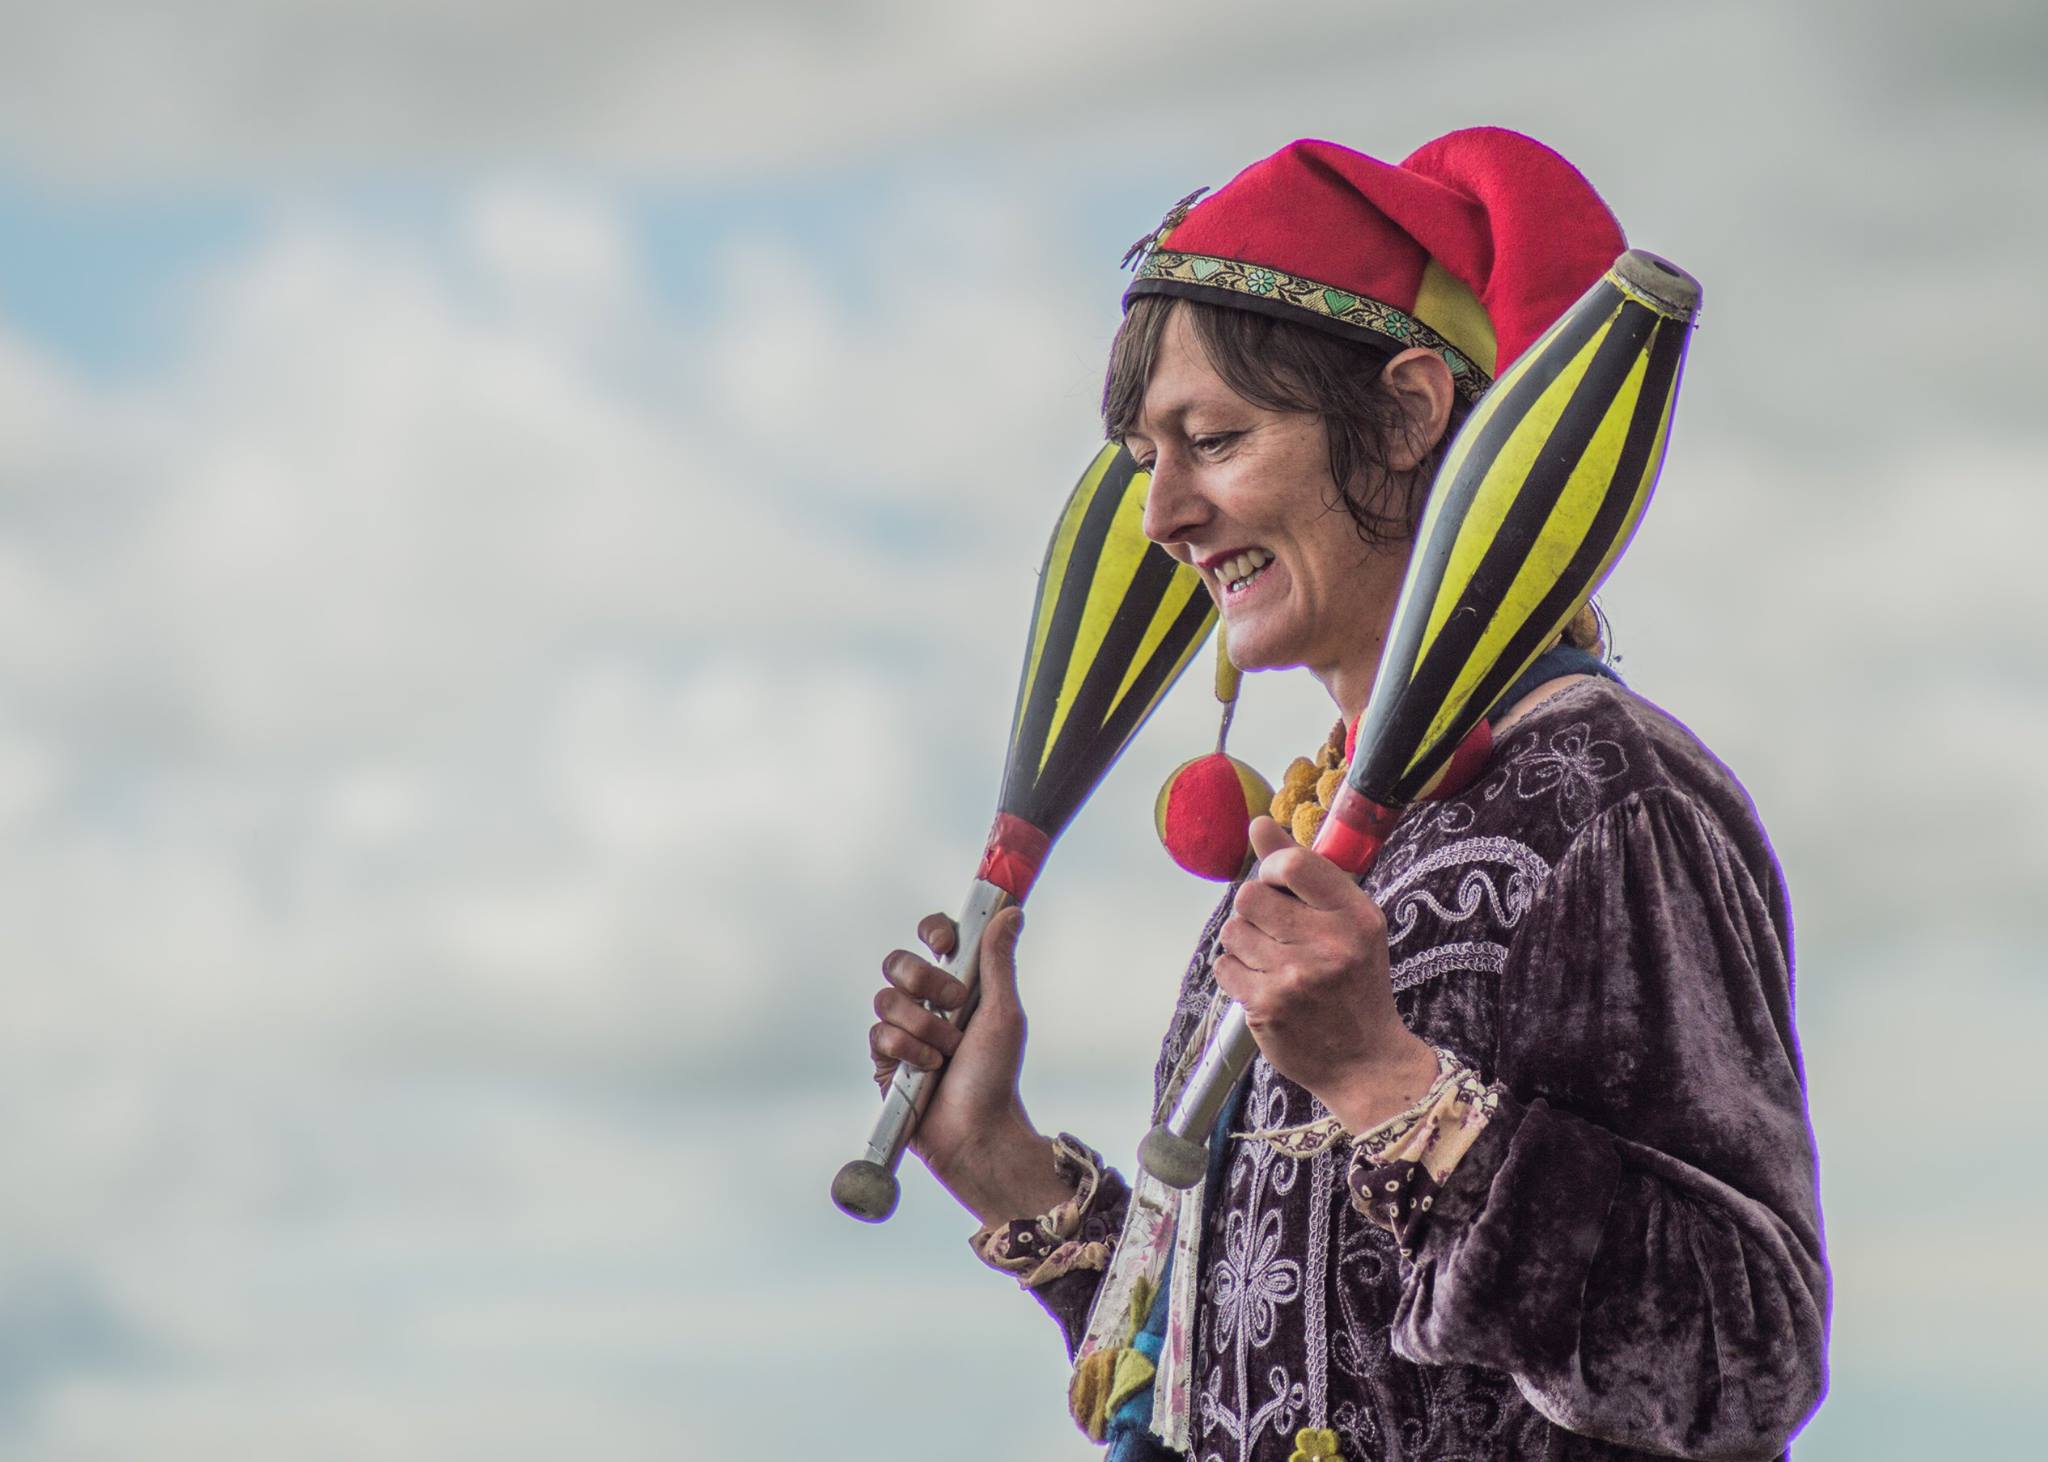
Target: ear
(1420, 381)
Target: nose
(1174, 506)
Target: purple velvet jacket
(1629, 1262)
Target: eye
(1212, 444)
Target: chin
(1258, 652)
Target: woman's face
(1244, 494)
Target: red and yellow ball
(1204, 814)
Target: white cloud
(129, 91)
(417, 645)
(416, 953)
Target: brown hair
(1285, 366)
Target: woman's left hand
(1305, 952)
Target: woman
(1524, 1168)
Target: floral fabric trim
(1313, 1139)
(1069, 1237)
(1326, 300)
(1398, 1168)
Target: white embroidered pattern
(1453, 903)
(1346, 1280)
(1572, 762)
(1247, 1283)
(1480, 957)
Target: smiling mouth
(1237, 573)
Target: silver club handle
(866, 1188)
(1176, 1152)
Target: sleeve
(1635, 1233)
(1060, 1256)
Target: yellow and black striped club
(1536, 498)
(1115, 623)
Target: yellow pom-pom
(1306, 822)
(1088, 1392)
(1327, 785)
(1315, 1444)
(1134, 1372)
(1228, 676)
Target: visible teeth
(1237, 570)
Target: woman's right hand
(975, 1136)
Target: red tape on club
(1016, 851)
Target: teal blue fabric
(1558, 660)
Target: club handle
(867, 1188)
(1176, 1152)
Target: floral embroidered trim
(1069, 1237)
(1326, 300)
(1398, 1167)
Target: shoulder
(1597, 757)
(1601, 733)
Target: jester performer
(1524, 1168)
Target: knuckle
(896, 1045)
(910, 974)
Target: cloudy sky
(516, 526)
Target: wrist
(1383, 1086)
(1010, 1174)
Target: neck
(1349, 685)
(1354, 665)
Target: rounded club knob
(866, 1191)
(1176, 1161)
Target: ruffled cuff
(1076, 1235)
(1399, 1167)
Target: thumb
(1269, 837)
(999, 961)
